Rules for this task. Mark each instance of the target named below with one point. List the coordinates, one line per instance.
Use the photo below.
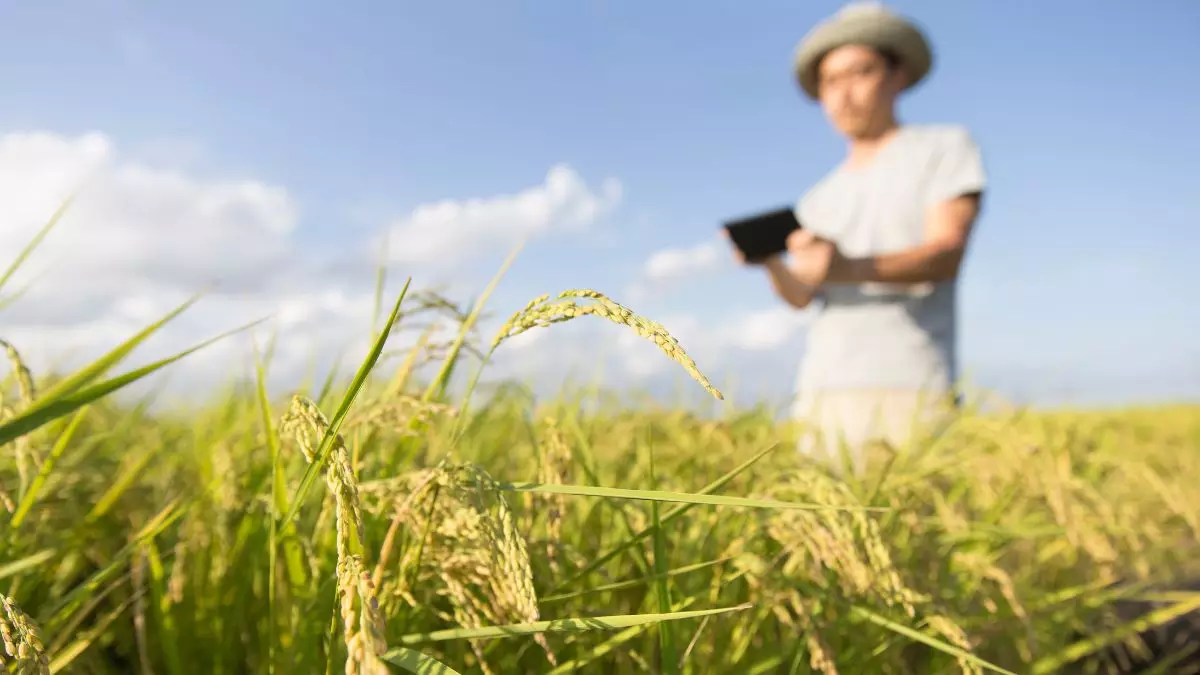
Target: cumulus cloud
(676, 264)
(141, 238)
(668, 267)
(138, 240)
(131, 224)
(448, 232)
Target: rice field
(381, 524)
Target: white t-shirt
(879, 336)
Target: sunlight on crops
(380, 525)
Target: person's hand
(812, 256)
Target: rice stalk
(365, 638)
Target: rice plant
(501, 536)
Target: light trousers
(850, 421)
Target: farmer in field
(884, 233)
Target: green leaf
(293, 554)
(360, 379)
(1053, 663)
(574, 625)
(680, 497)
(609, 645)
(105, 363)
(437, 388)
(49, 408)
(57, 612)
(28, 562)
(668, 652)
(632, 583)
(918, 636)
(666, 518)
(35, 242)
(416, 662)
(67, 655)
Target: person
(882, 239)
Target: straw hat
(863, 23)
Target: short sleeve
(957, 168)
(809, 211)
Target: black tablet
(762, 235)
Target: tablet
(763, 235)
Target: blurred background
(283, 150)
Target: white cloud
(668, 267)
(676, 264)
(444, 233)
(132, 222)
(137, 241)
(140, 239)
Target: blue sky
(1079, 279)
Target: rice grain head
(396, 413)
(364, 628)
(27, 459)
(541, 312)
(21, 641)
(474, 551)
(846, 543)
(305, 421)
(24, 377)
(554, 469)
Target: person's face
(857, 89)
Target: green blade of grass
(48, 409)
(415, 662)
(668, 517)
(677, 497)
(295, 567)
(380, 281)
(924, 639)
(1054, 662)
(573, 625)
(81, 644)
(160, 605)
(292, 552)
(11, 299)
(631, 583)
(60, 610)
(360, 378)
(668, 661)
(105, 363)
(35, 242)
(609, 645)
(27, 563)
(117, 486)
(437, 388)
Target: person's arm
(937, 259)
(952, 200)
(793, 291)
